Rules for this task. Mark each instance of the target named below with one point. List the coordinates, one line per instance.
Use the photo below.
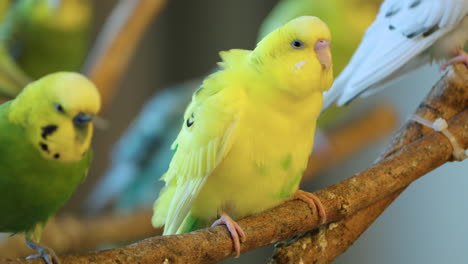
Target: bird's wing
(206, 137)
(403, 30)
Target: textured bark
(322, 244)
(293, 217)
(111, 53)
(447, 98)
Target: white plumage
(405, 35)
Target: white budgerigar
(405, 35)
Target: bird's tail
(161, 210)
(161, 206)
(190, 223)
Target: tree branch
(70, 234)
(325, 243)
(115, 45)
(447, 98)
(294, 217)
(67, 234)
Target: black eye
(297, 44)
(59, 108)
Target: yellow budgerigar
(247, 134)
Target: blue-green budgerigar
(45, 136)
(248, 132)
(143, 152)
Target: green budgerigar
(45, 136)
(248, 132)
(38, 37)
(58, 30)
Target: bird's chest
(33, 188)
(452, 42)
(265, 164)
(272, 142)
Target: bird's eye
(297, 44)
(59, 108)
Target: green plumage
(38, 37)
(45, 133)
(60, 34)
(31, 187)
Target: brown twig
(66, 234)
(294, 217)
(325, 243)
(448, 97)
(115, 45)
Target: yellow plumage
(249, 130)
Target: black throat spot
(48, 130)
(44, 147)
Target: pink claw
(234, 229)
(461, 56)
(313, 202)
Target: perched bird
(32, 30)
(59, 30)
(45, 148)
(405, 35)
(248, 132)
(143, 150)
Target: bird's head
(57, 112)
(297, 56)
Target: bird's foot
(461, 56)
(313, 202)
(47, 254)
(237, 234)
(440, 125)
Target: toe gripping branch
(440, 125)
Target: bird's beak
(322, 49)
(81, 119)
